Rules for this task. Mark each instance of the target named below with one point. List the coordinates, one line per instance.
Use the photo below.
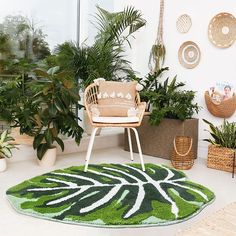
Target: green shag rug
(111, 195)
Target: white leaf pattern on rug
(112, 194)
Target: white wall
(216, 64)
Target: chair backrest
(91, 98)
(91, 92)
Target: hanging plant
(158, 51)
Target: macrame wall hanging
(157, 55)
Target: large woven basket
(225, 109)
(182, 155)
(220, 158)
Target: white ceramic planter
(49, 158)
(3, 164)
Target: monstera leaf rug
(111, 195)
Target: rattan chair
(90, 98)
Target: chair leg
(130, 145)
(90, 147)
(139, 148)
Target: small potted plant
(5, 149)
(222, 145)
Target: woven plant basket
(225, 109)
(220, 158)
(182, 156)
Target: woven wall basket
(224, 109)
(222, 30)
(189, 55)
(182, 156)
(220, 158)
(184, 23)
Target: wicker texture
(90, 98)
(222, 30)
(220, 158)
(184, 23)
(189, 55)
(225, 109)
(182, 156)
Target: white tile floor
(14, 224)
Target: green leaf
(48, 137)
(53, 70)
(60, 143)
(41, 73)
(59, 105)
(41, 150)
(38, 140)
(52, 109)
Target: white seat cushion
(115, 120)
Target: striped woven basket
(220, 158)
(182, 156)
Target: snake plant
(223, 135)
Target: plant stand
(158, 140)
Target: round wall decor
(189, 55)
(222, 30)
(184, 23)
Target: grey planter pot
(158, 140)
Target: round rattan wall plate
(184, 23)
(222, 30)
(189, 55)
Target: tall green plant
(223, 135)
(55, 96)
(105, 58)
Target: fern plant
(223, 135)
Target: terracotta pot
(3, 164)
(49, 158)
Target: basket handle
(185, 154)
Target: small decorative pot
(49, 158)
(3, 164)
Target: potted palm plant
(5, 149)
(222, 145)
